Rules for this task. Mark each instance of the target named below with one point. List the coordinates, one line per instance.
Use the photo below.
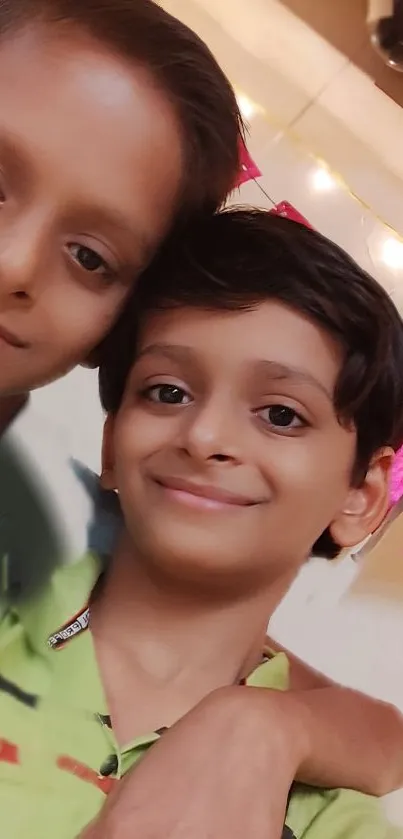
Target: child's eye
(89, 260)
(167, 395)
(281, 417)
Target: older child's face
(227, 452)
(90, 165)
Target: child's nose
(214, 434)
(20, 258)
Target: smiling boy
(115, 123)
(239, 400)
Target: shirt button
(110, 766)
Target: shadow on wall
(32, 544)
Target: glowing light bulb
(247, 108)
(323, 180)
(392, 253)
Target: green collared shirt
(58, 754)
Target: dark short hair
(238, 258)
(179, 62)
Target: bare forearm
(214, 773)
(354, 741)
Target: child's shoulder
(332, 814)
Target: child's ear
(108, 457)
(365, 506)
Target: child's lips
(11, 339)
(203, 496)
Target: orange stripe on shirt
(8, 752)
(68, 764)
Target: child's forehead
(89, 131)
(269, 332)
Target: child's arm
(230, 763)
(355, 741)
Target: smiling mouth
(11, 339)
(203, 497)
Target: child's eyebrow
(173, 352)
(275, 371)
(272, 370)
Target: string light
(247, 107)
(323, 180)
(392, 253)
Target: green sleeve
(338, 814)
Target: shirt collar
(75, 679)
(66, 597)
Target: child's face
(227, 452)
(90, 166)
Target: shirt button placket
(110, 766)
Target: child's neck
(176, 648)
(10, 407)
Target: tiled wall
(304, 82)
(343, 24)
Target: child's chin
(198, 557)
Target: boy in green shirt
(253, 411)
(90, 184)
(239, 400)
